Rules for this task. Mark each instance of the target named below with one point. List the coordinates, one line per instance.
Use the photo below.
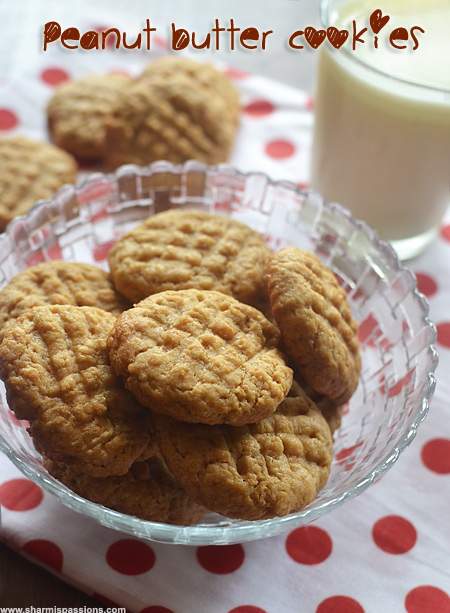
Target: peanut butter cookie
(257, 471)
(184, 249)
(77, 110)
(58, 282)
(203, 75)
(200, 356)
(30, 171)
(57, 374)
(316, 323)
(168, 118)
(148, 491)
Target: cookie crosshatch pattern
(385, 532)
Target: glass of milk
(381, 142)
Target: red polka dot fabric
(386, 550)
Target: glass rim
(324, 11)
(383, 260)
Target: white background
(22, 22)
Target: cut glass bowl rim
(231, 531)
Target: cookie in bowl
(57, 375)
(258, 471)
(190, 249)
(58, 282)
(200, 356)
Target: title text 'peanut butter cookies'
(200, 356)
(77, 110)
(316, 323)
(148, 491)
(184, 249)
(30, 171)
(57, 374)
(257, 471)
(58, 282)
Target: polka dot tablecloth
(387, 550)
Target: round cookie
(168, 118)
(331, 411)
(184, 249)
(58, 282)
(57, 374)
(30, 171)
(200, 356)
(316, 323)
(258, 471)
(77, 110)
(204, 76)
(148, 491)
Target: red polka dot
(8, 119)
(436, 455)
(130, 557)
(302, 185)
(156, 609)
(110, 39)
(309, 545)
(159, 41)
(20, 495)
(426, 284)
(235, 73)
(394, 534)
(100, 252)
(47, 552)
(54, 252)
(427, 599)
(259, 108)
(445, 232)
(339, 604)
(310, 103)
(400, 385)
(54, 76)
(247, 608)
(443, 334)
(346, 456)
(280, 149)
(221, 559)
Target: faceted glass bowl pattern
(81, 223)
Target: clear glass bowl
(397, 380)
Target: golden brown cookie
(183, 249)
(200, 356)
(203, 75)
(258, 471)
(168, 118)
(58, 282)
(77, 110)
(148, 491)
(316, 323)
(30, 171)
(57, 374)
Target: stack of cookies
(177, 110)
(220, 389)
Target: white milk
(382, 145)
